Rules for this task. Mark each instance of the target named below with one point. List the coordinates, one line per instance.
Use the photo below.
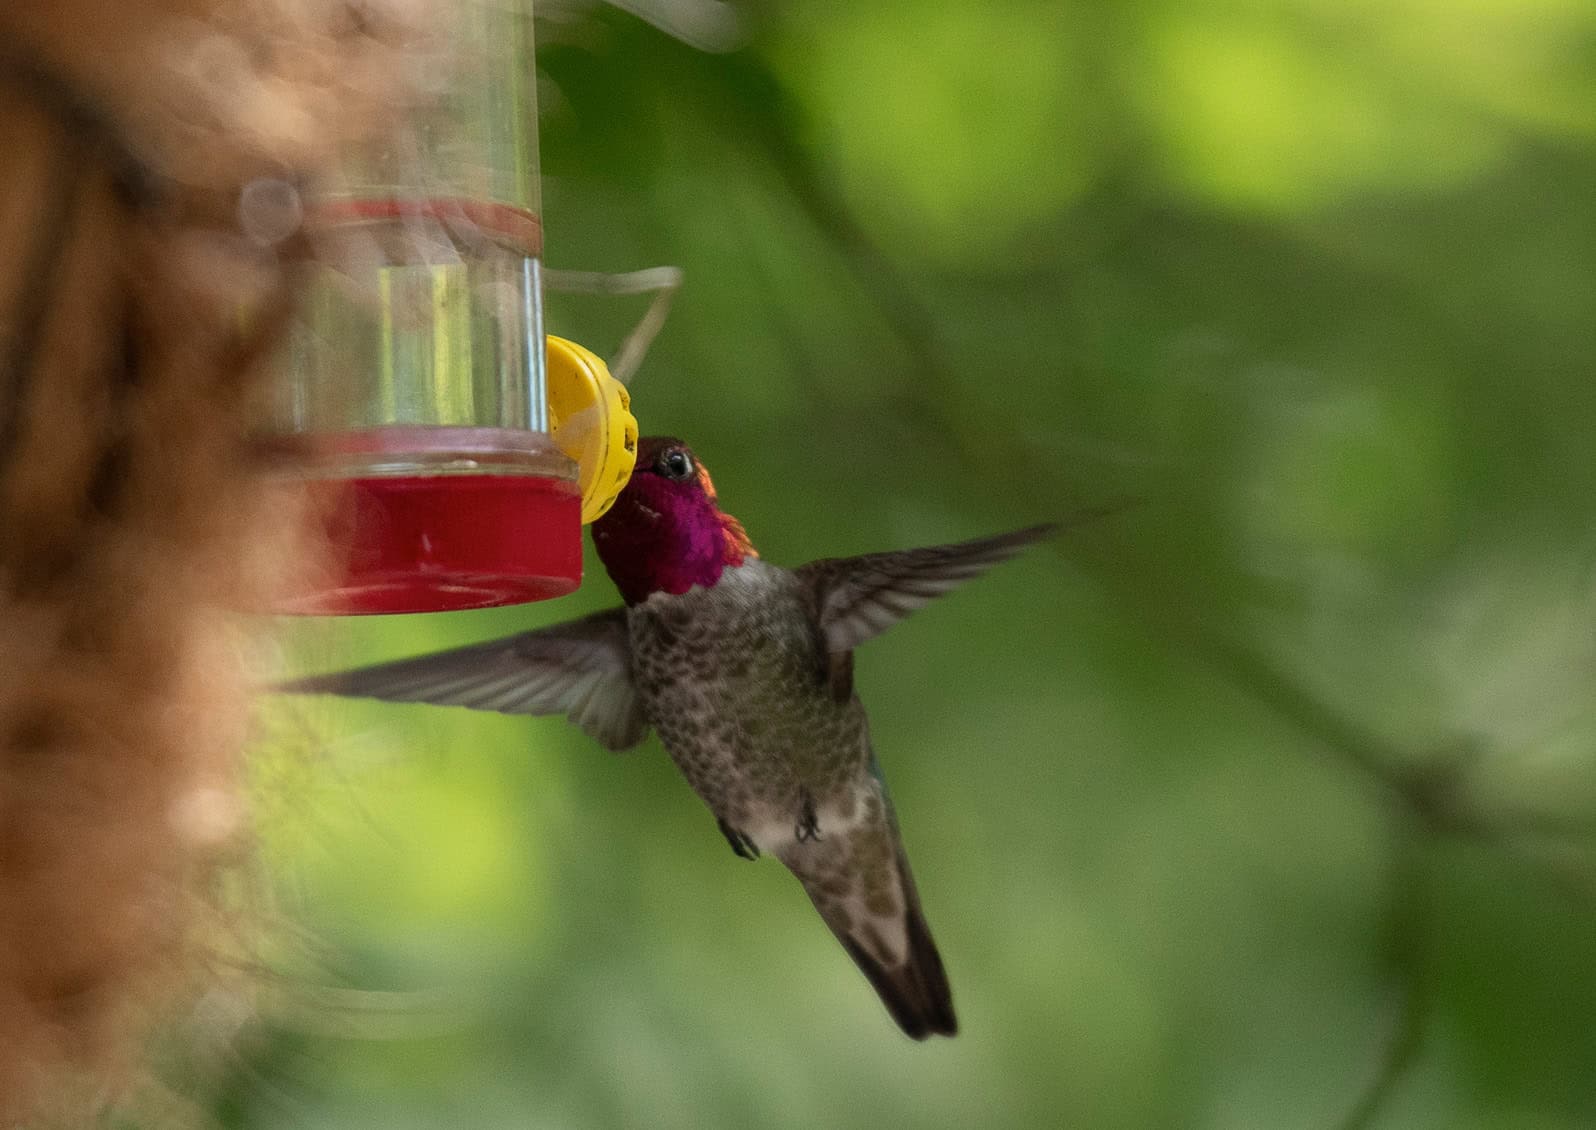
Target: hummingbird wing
(581, 668)
(858, 598)
(859, 880)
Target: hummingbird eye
(675, 464)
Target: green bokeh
(1276, 785)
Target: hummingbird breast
(732, 677)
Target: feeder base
(442, 543)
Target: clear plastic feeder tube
(418, 372)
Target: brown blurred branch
(135, 525)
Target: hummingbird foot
(808, 827)
(741, 844)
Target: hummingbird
(745, 669)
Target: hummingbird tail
(859, 880)
(915, 990)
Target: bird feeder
(469, 448)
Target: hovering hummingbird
(746, 671)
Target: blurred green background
(1268, 803)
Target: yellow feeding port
(591, 420)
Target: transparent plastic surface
(417, 375)
(441, 355)
(423, 323)
(476, 137)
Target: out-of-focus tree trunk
(153, 152)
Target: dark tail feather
(843, 872)
(916, 993)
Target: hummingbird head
(666, 533)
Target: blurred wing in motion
(582, 669)
(858, 598)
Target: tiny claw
(741, 844)
(808, 826)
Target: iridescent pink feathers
(666, 532)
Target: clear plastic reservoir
(418, 373)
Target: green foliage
(1268, 803)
